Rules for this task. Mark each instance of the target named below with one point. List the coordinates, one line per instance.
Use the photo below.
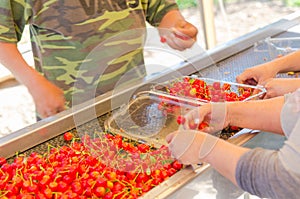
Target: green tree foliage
(187, 3)
(292, 2)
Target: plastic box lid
(149, 118)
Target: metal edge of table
(48, 128)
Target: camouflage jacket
(84, 47)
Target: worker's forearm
(11, 58)
(253, 114)
(288, 63)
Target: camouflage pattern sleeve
(12, 20)
(155, 10)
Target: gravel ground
(16, 105)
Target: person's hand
(279, 86)
(176, 31)
(257, 75)
(182, 36)
(190, 147)
(49, 99)
(213, 114)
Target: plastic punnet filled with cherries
(204, 90)
(208, 90)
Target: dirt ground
(16, 105)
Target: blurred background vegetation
(292, 2)
(187, 3)
(193, 3)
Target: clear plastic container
(152, 115)
(208, 90)
(149, 118)
(277, 47)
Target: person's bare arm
(48, 98)
(257, 114)
(12, 59)
(254, 114)
(188, 146)
(287, 63)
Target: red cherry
(226, 87)
(53, 185)
(62, 186)
(68, 136)
(202, 125)
(163, 39)
(112, 176)
(167, 166)
(130, 175)
(180, 119)
(157, 180)
(164, 174)
(234, 128)
(216, 85)
(176, 165)
(45, 181)
(99, 191)
(117, 187)
(108, 195)
(171, 171)
(246, 94)
(2, 161)
(142, 178)
(33, 188)
(67, 179)
(26, 185)
(101, 182)
(143, 148)
(77, 188)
